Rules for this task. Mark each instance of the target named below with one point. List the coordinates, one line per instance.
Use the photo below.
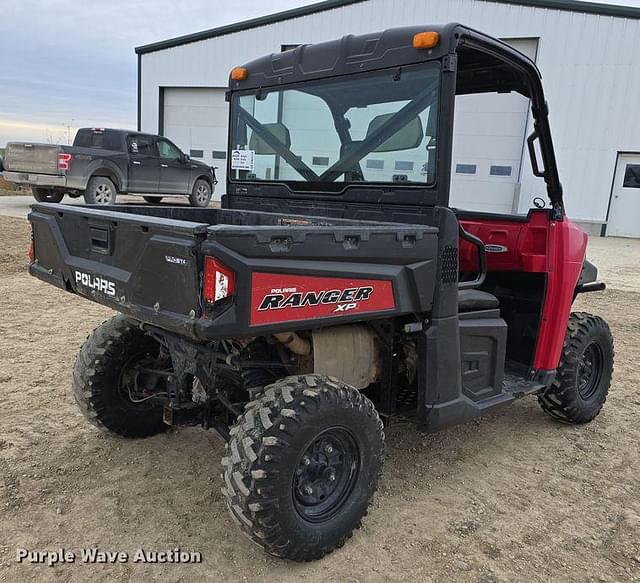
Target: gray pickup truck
(104, 162)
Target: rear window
(105, 140)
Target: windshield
(375, 127)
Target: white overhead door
(195, 119)
(489, 132)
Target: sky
(66, 64)
(72, 62)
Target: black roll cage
(539, 109)
(456, 42)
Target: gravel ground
(513, 496)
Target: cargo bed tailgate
(140, 265)
(36, 158)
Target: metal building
(588, 53)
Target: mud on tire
(302, 465)
(584, 374)
(97, 375)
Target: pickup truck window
(142, 145)
(97, 138)
(168, 151)
(374, 127)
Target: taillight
(219, 281)
(64, 161)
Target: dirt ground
(513, 496)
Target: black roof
(479, 70)
(566, 5)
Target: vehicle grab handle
(531, 139)
(482, 258)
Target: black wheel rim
(590, 370)
(326, 474)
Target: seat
(473, 300)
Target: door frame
(603, 230)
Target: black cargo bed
(147, 261)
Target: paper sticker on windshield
(242, 159)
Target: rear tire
(47, 194)
(100, 190)
(201, 193)
(152, 199)
(302, 465)
(584, 374)
(99, 380)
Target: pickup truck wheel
(152, 199)
(100, 190)
(201, 193)
(302, 465)
(112, 391)
(584, 374)
(47, 195)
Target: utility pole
(68, 125)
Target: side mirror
(186, 158)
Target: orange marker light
(239, 73)
(426, 40)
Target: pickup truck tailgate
(36, 158)
(140, 265)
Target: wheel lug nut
(332, 476)
(306, 461)
(308, 490)
(329, 448)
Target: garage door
(489, 132)
(196, 120)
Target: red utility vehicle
(334, 287)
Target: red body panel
(539, 245)
(278, 297)
(566, 252)
(526, 243)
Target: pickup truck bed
(149, 263)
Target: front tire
(102, 380)
(201, 193)
(584, 374)
(47, 194)
(100, 190)
(302, 465)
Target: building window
(196, 153)
(219, 155)
(404, 165)
(375, 164)
(500, 171)
(466, 168)
(320, 161)
(631, 176)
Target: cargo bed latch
(100, 239)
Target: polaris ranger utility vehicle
(327, 294)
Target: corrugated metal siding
(589, 65)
